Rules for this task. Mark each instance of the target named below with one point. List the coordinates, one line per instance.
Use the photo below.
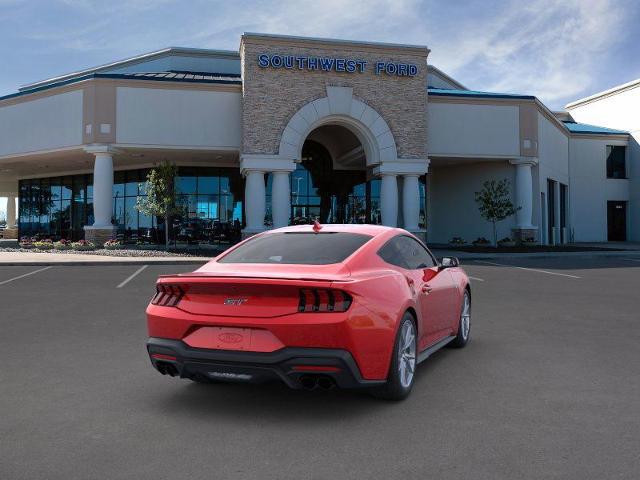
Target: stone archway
(339, 107)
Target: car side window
(415, 255)
(406, 252)
(392, 254)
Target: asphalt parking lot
(547, 388)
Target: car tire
(403, 362)
(464, 324)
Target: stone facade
(99, 236)
(9, 233)
(272, 96)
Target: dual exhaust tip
(311, 382)
(167, 368)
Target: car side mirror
(449, 262)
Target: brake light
(167, 295)
(323, 300)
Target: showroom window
(211, 199)
(616, 161)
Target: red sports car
(353, 306)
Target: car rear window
(303, 248)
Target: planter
(458, 245)
(507, 244)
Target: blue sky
(556, 50)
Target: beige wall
(45, 123)
(451, 200)
(272, 96)
(473, 129)
(172, 117)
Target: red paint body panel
(264, 298)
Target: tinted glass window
(406, 252)
(616, 167)
(297, 248)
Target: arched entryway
(345, 155)
(332, 182)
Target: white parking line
(529, 269)
(475, 278)
(132, 276)
(25, 275)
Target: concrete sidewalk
(38, 259)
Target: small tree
(494, 203)
(161, 200)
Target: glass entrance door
(318, 191)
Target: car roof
(366, 229)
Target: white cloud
(546, 48)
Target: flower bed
(113, 245)
(83, 245)
(62, 245)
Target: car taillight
(167, 295)
(323, 300)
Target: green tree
(161, 198)
(494, 203)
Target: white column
(389, 200)
(255, 201)
(411, 202)
(280, 198)
(103, 190)
(11, 212)
(524, 194)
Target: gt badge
(235, 301)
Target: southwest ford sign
(333, 64)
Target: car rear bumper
(296, 367)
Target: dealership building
(290, 129)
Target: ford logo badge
(228, 337)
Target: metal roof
(134, 60)
(187, 77)
(585, 128)
(444, 92)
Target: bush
(507, 242)
(481, 241)
(62, 245)
(43, 244)
(457, 241)
(26, 242)
(113, 244)
(83, 245)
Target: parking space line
(529, 269)
(475, 278)
(132, 276)
(25, 275)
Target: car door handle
(426, 288)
